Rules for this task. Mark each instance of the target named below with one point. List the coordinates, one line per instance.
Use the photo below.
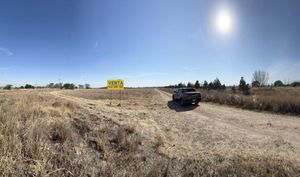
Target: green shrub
(7, 87)
(28, 86)
(68, 86)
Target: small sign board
(115, 84)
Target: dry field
(284, 100)
(84, 133)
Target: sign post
(115, 85)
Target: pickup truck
(186, 95)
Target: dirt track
(193, 131)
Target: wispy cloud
(6, 51)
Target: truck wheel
(182, 102)
(197, 103)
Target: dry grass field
(284, 100)
(84, 133)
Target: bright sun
(224, 21)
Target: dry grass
(285, 100)
(41, 135)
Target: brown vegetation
(285, 100)
(44, 135)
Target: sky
(147, 42)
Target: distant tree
(68, 86)
(278, 83)
(223, 87)
(255, 84)
(233, 89)
(261, 77)
(22, 87)
(190, 84)
(28, 86)
(197, 84)
(81, 86)
(181, 85)
(216, 84)
(210, 86)
(51, 85)
(295, 84)
(205, 85)
(87, 86)
(244, 87)
(242, 84)
(7, 87)
(58, 85)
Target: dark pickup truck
(186, 95)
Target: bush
(28, 86)
(295, 84)
(68, 86)
(278, 83)
(87, 86)
(243, 87)
(255, 84)
(7, 87)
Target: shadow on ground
(178, 108)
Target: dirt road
(194, 131)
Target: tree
(87, 86)
(244, 87)
(278, 83)
(210, 86)
(28, 86)
(51, 85)
(197, 84)
(242, 84)
(205, 84)
(7, 87)
(68, 86)
(216, 84)
(295, 84)
(190, 84)
(255, 84)
(261, 77)
(58, 85)
(81, 86)
(181, 85)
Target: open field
(284, 100)
(84, 133)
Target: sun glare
(224, 21)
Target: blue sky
(147, 43)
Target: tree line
(50, 85)
(259, 79)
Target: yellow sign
(115, 84)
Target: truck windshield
(188, 90)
